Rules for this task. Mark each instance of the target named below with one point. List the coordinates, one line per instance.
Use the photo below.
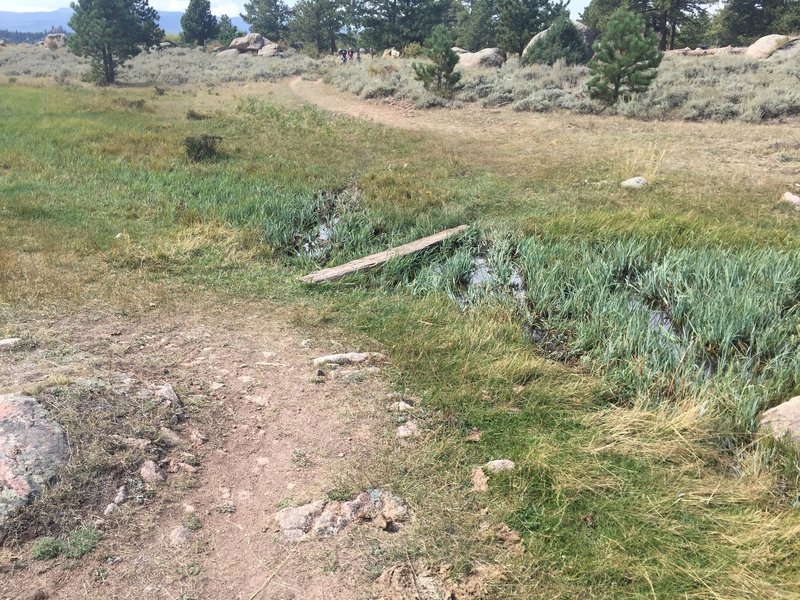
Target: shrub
(46, 548)
(193, 115)
(81, 542)
(625, 59)
(562, 41)
(413, 51)
(201, 147)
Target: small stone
(634, 183)
(111, 508)
(122, 495)
(296, 521)
(180, 536)
(783, 420)
(497, 466)
(400, 407)
(151, 473)
(9, 343)
(789, 197)
(348, 358)
(407, 431)
(170, 437)
(474, 435)
(480, 482)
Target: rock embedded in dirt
(9, 343)
(32, 448)
(408, 431)
(296, 521)
(110, 509)
(500, 465)
(180, 536)
(122, 495)
(348, 358)
(169, 437)
(792, 199)
(151, 473)
(783, 419)
(166, 393)
(480, 482)
(634, 183)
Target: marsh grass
(638, 473)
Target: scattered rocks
(480, 482)
(634, 183)
(408, 431)
(9, 344)
(783, 419)
(348, 358)
(788, 197)
(32, 448)
(500, 465)
(151, 473)
(180, 536)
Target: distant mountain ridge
(43, 21)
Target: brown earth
(276, 435)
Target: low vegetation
(618, 346)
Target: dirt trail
(276, 435)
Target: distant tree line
(27, 37)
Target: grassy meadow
(618, 345)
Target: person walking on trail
(350, 54)
(344, 56)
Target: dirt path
(276, 435)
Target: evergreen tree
(694, 31)
(316, 22)
(198, 24)
(398, 23)
(439, 74)
(741, 22)
(520, 20)
(625, 60)
(227, 31)
(110, 32)
(562, 41)
(267, 17)
(477, 26)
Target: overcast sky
(218, 7)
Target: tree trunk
(662, 42)
(672, 36)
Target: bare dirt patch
(262, 431)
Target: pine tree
(477, 28)
(267, 17)
(520, 20)
(562, 41)
(439, 74)
(227, 31)
(316, 22)
(198, 24)
(398, 23)
(625, 60)
(110, 32)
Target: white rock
(9, 343)
(151, 473)
(496, 466)
(122, 495)
(348, 358)
(407, 431)
(789, 197)
(634, 183)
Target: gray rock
(169, 437)
(229, 52)
(634, 183)
(151, 473)
(296, 521)
(122, 495)
(496, 466)
(486, 58)
(180, 536)
(269, 50)
(783, 419)
(32, 448)
(348, 358)
(9, 343)
(110, 509)
(586, 33)
(251, 42)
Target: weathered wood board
(374, 260)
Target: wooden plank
(374, 260)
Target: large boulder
(252, 42)
(229, 52)
(391, 53)
(32, 448)
(765, 46)
(488, 57)
(269, 49)
(53, 41)
(588, 36)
